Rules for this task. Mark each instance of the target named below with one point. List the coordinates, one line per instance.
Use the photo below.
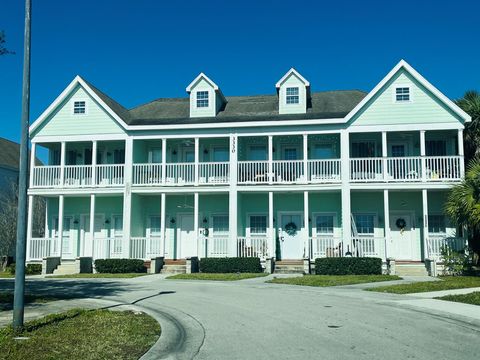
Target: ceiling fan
(185, 205)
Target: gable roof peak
(201, 76)
(290, 72)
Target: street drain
(334, 326)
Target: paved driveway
(253, 320)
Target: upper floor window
(202, 99)
(293, 95)
(402, 94)
(79, 107)
(363, 149)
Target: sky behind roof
(137, 51)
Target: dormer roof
(208, 80)
(287, 75)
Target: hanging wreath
(401, 223)
(291, 228)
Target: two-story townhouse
(294, 175)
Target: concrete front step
(66, 268)
(411, 270)
(288, 269)
(173, 269)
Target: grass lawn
(217, 277)
(6, 275)
(98, 275)
(332, 280)
(6, 300)
(472, 298)
(82, 334)
(446, 283)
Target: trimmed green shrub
(120, 266)
(348, 266)
(231, 265)
(31, 269)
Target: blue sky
(140, 50)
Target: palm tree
(463, 203)
(470, 103)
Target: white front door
(186, 236)
(401, 236)
(291, 242)
(86, 236)
(66, 247)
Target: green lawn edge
(98, 275)
(217, 277)
(332, 280)
(472, 298)
(445, 283)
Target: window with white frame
(220, 224)
(202, 99)
(436, 224)
(402, 94)
(365, 224)
(292, 95)
(79, 107)
(324, 224)
(258, 224)
(155, 225)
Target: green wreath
(291, 228)
(401, 223)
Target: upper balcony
(405, 157)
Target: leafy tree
(470, 103)
(3, 49)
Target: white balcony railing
(147, 174)
(253, 172)
(325, 246)
(46, 176)
(441, 168)
(369, 246)
(180, 174)
(366, 169)
(288, 171)
(322, 171)
(214, 246)
(404, 169)
(110, 175)
(254, 246)
(214, 173)
(39, 248)
(436, 242)
(78, 175)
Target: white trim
(85, 104)
(288, 73)
(401, 127)
(324, 213)
(198, 78)
(403, 64)
(248, 232)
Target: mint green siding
(424, 107)
(63, 122)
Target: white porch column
(425, 223)
(94, 162)
(197, 159)
(422, 154)
(386, 220)
(346, 205)
(164, 160)
(305, 158)
(384, 155)
(195, 221)
(60, 225)
(88, 248)
(29, 225)
(306, 225)
(32, 163)
(270, 159)
(461, 152)
(162, 224)
(233, 197)
(127, 197)
(62, 163)
(271, 228)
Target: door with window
(363, 228)
(155, 234)
(186, 236)
(88, 248)
(400, 168)
(218, 239)
(323, 243)
(116, 237)
(67, 245)
(290, 234)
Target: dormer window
(402, 94)
(79, 107)
(292, 95)
(202, 99)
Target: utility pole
(19, 296)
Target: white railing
(255, 172)
(440, 168)
(145, 247)
(39, 248)
(78, 175)
(214, 173)
(325, 246)
(216, 246)
(255, 246)
(180, 174)
(369, 246)
(46, 176)
(147, 174)
(110, 175)
(288, 171)
(435, 243)
(107, 248)
(320, 171)
(366, 169)
(404, 169)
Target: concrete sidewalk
(435, 294)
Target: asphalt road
(253, 320)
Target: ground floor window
(258, 224)
(436, 224)
(324, 224)
(155, 224)
(220, 224)
(364, 224)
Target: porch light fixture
(205, 220)
(109, 154)
(174, 152)
(205, 151)
(75, 222)
(107, 221)
(172, 221)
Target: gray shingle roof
(10, 154)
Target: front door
(401, 235)
(86, 245)
(291, 244)
(66, 247)
(186, 236)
